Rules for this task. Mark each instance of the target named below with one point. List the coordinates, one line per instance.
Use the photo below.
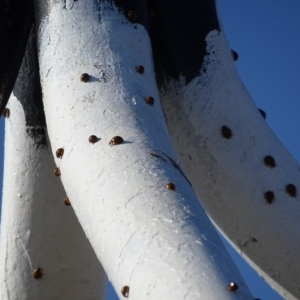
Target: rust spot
(132, 16)
(6, 113)
(270, 161)
(232, 287)
(66, 201)
(93, 139)
(57, 172)
(116, 140)
(59, 153)
(37, 273)
(226, 132)
(269, 197)
(140, 69)
(263, 113)
(149, 100)
(85, 77)
(170, 186)
(291, 190)
(125, 291)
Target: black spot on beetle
(291, 190)
(269, 197)
(226, 132)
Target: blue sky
(266, 35)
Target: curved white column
(39, 232)
(154, 242)
(245, 178)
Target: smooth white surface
(229, 175)
(37, 229)
(158, 242)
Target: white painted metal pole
(119, 170)
(245, 178)
(44, 253)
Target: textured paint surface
(156, 241)
(37, 229)
(230, 175)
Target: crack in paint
(173, 163)
(126, 245)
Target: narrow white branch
(38, 232)
(154, 242)
(246, 180)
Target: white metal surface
(37, 229)
(156, 241)
(230, 175)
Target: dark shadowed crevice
(28, 92)
(178, 31)
(16, 18)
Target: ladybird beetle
(125, 291)
(234, 55)
(170, 186)
(232, 287)
(93, 139)
(291, 190)
(85, 77)
(57, 172)
(226, 132)
(269, 197)
(6, 113)
(140, 69)
(263, 113)
(149, 100)
(132, 16)
(59, 153)
(270, 161)
(116, 140)
(66, 201)
(37, 273)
